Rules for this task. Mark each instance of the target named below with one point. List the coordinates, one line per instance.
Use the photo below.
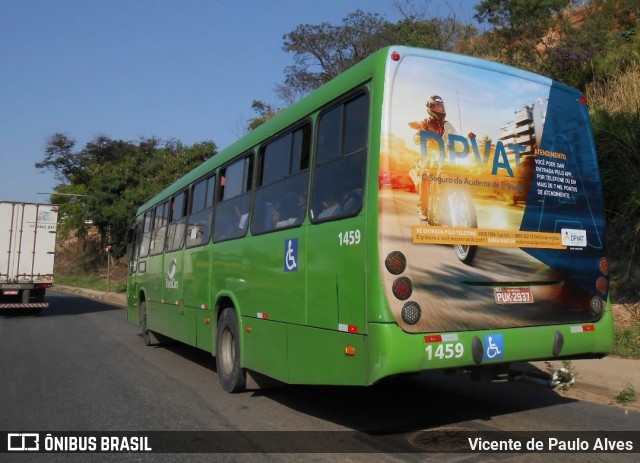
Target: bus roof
(357, 75)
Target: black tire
(469, 219)
(147, 336)
(38, 294)
(465, 254)
(231, 375)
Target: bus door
(196, 275)
(182, 325)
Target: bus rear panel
(491, 226)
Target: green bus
(423, 210)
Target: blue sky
(140, 68)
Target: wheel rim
(228, 351)
(463, 251)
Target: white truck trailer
(27, 246)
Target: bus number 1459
(445, 351)
(349, 238)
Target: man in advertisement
(434, 122)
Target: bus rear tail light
(411, 313)
(402, 288)
(603, 265)
(602, 285)
(396, 263)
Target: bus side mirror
(130, 234)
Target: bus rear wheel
(232, 377)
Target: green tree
(264, 112)
(322, 51)
(59, 157)
(106, 181)
(520, 32)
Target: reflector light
(583, 100)
(603, 265)
(411, 313)
(395, 56)
(582, 328)
(350, 351)
(395, 263)
(447, 337)
(263, 315)
(602, 285)
(402, 288)
(347, 328)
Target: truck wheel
(38, 295)
(232, 377)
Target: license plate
(512, 295)
(10, 292)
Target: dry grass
(618, 94)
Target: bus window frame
(359, 192)
(155, 230)
(305, 127)
(206, 209)
(148, 214)
(223, 203)
(172, 243)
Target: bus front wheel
(232, 377)
(146, 333)
(149, 337)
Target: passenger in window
(302, 208)
(329, 206)
(289, 210)
(242, 218)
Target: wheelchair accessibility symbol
(493, 346)
(291, 255)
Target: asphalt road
(82, 367)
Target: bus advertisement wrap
(502, 167)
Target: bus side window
(283, 178)
(175, 234)
(232, 212)
(159, 231)
(199, 228)
(144, 238)
(338, 185)
(133, 246)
